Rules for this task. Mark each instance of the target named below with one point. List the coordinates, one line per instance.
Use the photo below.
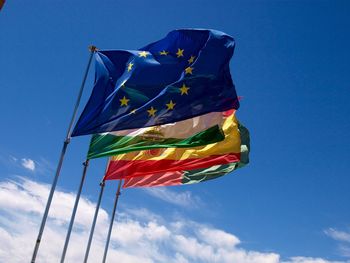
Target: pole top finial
(93, 48)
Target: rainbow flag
(162, 160)
(193, 176)
(197, 131)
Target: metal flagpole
(112, 220)
(60, 162)
(102, 184)
(77, 198)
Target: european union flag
(184, 75)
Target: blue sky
(290, 65)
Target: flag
(184, 75)
(194, 176)
(2, 2)
(197, 131)
(148, 162)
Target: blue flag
(184, 75)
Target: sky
(290, 204)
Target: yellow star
(133, 111)
(184, 89)
(130, 66)
(191, 59)
(170, 105)
(124, 101)
(188, 70)
(180, 52)
(164, 53)
(151, 112)
(143, 54)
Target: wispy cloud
(180, 198)
(343, 240)
(28, 164)
(12, 158)
(338, 235)
(144, 237)
(344, 250)
(44, 166)
(39, 166)
(311, 260)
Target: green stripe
(201, 175)
(109, 145)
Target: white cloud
(14, 159)
(144, 214)
(310, 260)
(44, 166)
(28, 164)
(40, 165)
(338, 235)
(343, 239)
(136, 237)
(344, 250)
(184, 199)
(218, 238)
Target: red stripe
(161, 179)
(122, 169)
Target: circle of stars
(183, 90)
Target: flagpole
(77, 198)
(102, 185)
(60, 162)
(112, 220)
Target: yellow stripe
(231, 144)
